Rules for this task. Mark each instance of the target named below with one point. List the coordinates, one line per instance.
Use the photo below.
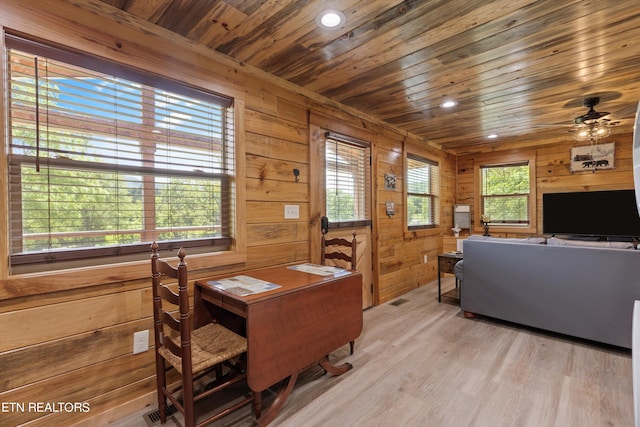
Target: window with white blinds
(505, 193)
(105, 159)
(348, 165)
(423, 190)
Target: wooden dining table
(296, 321)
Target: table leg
(283, 394)
(277, 404)
(201, 315)
(257, 404)
(333, 369)
(439, 283)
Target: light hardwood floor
(421, 363)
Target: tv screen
(591, 213)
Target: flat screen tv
(591, 213)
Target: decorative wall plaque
(389, 181)
(592, 157)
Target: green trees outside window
(98, 161)
(505, 193)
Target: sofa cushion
(529, 240)
(554, 241)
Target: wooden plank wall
(74, 344)
(553, 174)
(401, 253)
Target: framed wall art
(592, 157)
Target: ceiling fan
(592, 125)
(592, 114)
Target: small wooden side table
(446, 262)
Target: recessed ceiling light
(492, 136)
(331, 18)
(449, 103)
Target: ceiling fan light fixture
(449, 103)
(331, 19)
(592, 131)
(592, 126)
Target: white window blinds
(423, 190)
(348, 167)
(105, 159)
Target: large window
(104, 159)
(423, 189)
(505, 193)
(347, 181)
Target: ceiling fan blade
(591, 115)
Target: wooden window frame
(363, 183)
(72, 277)
(434, 194)
(151, 86)
(507, 159)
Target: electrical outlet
(424, 258)
(291, 211)
(140, 341)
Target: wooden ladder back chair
(191, 353)
(351, 246)
(350, 256)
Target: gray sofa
(585, 292)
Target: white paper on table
(320, 270)
(243, 285)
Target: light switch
(291, 211)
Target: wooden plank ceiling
(517, 68)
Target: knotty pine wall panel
(448, 191)
(400, 253)
(107, 406)
(43, 299)
(269, 212)
(277, 169)
(30, 326)
(268, 147)
(58, 356)
(389, 228)
(275, 254)
(265, 234)
(266, 125)
(80, 385)
(276, 191)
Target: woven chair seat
(210, 345)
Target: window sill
(506, 229)
(23, 285)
